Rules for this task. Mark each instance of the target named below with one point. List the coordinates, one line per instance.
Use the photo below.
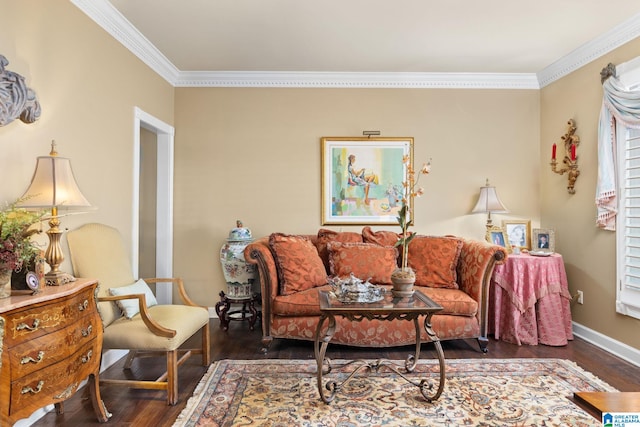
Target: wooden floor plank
(148, 407)
(609, 402)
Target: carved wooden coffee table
(390, 308)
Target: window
(628, 225)
(628, 219)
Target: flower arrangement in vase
(16, 246)
(404, 277)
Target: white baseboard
(109, 357)
(212, 313)
(26, 422)
(608, 344)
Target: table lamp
(54, 186)
(489, 202)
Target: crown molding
(357, 80)
(112, 21)
(588, 52)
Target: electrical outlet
(580, 297)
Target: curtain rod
(608, 71)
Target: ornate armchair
(131, 317)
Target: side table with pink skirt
(530, 301)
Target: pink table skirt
(530, 301)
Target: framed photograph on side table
(544, 240)
(497, 236)
(518, 232)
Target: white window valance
(620, 111)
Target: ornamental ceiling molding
(112, 21)
(16, 99)
(591, 51)
(357, 80)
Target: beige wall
(589, 253)
(88, 85)
(254, 155)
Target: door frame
(164, 196)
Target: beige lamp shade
(488, 202)
(53, 185)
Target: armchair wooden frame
(98, 251)
(169, 379)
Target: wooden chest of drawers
(50, 343)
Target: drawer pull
(83, 306)
(67, 392)
(87, 358)
(87, 332)
(22, 326)
(29, 359)
(37, 390)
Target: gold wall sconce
(570, 160)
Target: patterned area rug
(478, 392)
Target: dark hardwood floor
(148, 407)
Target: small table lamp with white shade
(53, 186)
(489, 202)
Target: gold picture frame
(518, 232)
(498, 236)
(543, 240)
(362, 179)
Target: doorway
(152, 233)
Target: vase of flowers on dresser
(16, 247)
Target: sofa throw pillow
(382, 237)
(325, 236)
(435, 259)
(298, 263)
(131, 307)
(364, 260)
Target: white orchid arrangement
(410, 190)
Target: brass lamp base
(54, 255)
(58, 278)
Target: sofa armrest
(259, 253)
(475, 268)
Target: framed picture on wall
(544, 240)
(498, 236)
(518, 232)
(362, 179)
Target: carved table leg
(254, 313)
(98, 404)
(320, 349)
(424, 385)
(222, 307)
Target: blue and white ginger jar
(238, 274)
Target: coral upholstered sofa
(452, 271)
